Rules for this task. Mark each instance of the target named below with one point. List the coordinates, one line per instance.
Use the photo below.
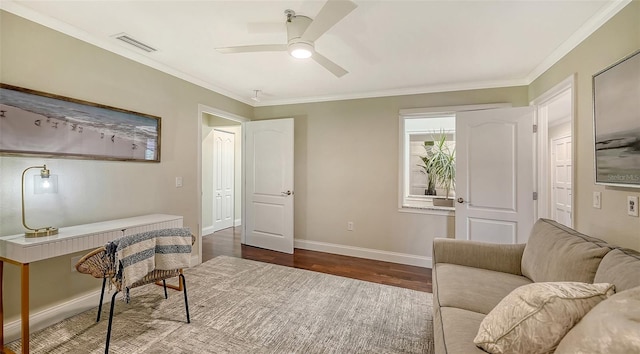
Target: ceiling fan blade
(336, 69)
(330, 14)
(254, 48)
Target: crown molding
(607, 12)
(109, 44)
(595, 22)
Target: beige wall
(346, 152)
(614, 40)
(346, 169)
(36, 57)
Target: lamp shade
(45, 185)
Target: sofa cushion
(557, 253)
(612, 327)
(474, 289)
(534, 318)
(459, 327)
(620, 267)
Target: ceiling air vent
(136, 43)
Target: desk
(21, 251)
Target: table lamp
(43, 183)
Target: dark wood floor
(227, 242)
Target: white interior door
(561, 180)
(268, 207)
(495, 175)
(223, 177)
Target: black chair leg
(104, 282)
(113, 304)
(186, 301)
(164, 283)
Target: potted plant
(440, 162)
(431, 179)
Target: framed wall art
(34, 123)
(616, 117)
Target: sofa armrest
(492, 256)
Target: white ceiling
(389, 47)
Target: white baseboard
(386, 256)
(208, 230)
(53, 315)
(57, 313)
(237, 222)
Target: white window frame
(424, 205)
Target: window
(422, 134)
(418, 126)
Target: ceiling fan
(302, 32)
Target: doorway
(556, 153)
(211, 206)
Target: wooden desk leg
(24, 285)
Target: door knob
(287, 193)
(460, 200)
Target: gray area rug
(242, 306)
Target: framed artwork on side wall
(34, 123)
(616, 117)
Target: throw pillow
(533, 318)
(612, 327)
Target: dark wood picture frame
(35, 123)
(616, 123)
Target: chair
(99, 265)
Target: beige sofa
(470, 278)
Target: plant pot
(443, 202)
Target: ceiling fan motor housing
(296, 25)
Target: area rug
(243, 306)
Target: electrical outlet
(178, 182)
(349, 225)
(632, 206)
(597, 200)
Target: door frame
(202, 110)
(542, 154)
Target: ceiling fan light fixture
(301, 50)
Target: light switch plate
(632, 205)
(597, 200)
(178, 182)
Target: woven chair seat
(97, 264)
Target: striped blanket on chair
(137, 255)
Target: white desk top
(77, 235)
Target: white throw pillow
(533, 318)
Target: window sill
(428, 209)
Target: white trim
(53, 314)
(111, 45)
(208, 230)
(428, 210)
(420, 112)
(202, 109)
(368, 253)
(398, 92)
(542, 153)
(595, 22)
(237, 222)
(416, 206)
